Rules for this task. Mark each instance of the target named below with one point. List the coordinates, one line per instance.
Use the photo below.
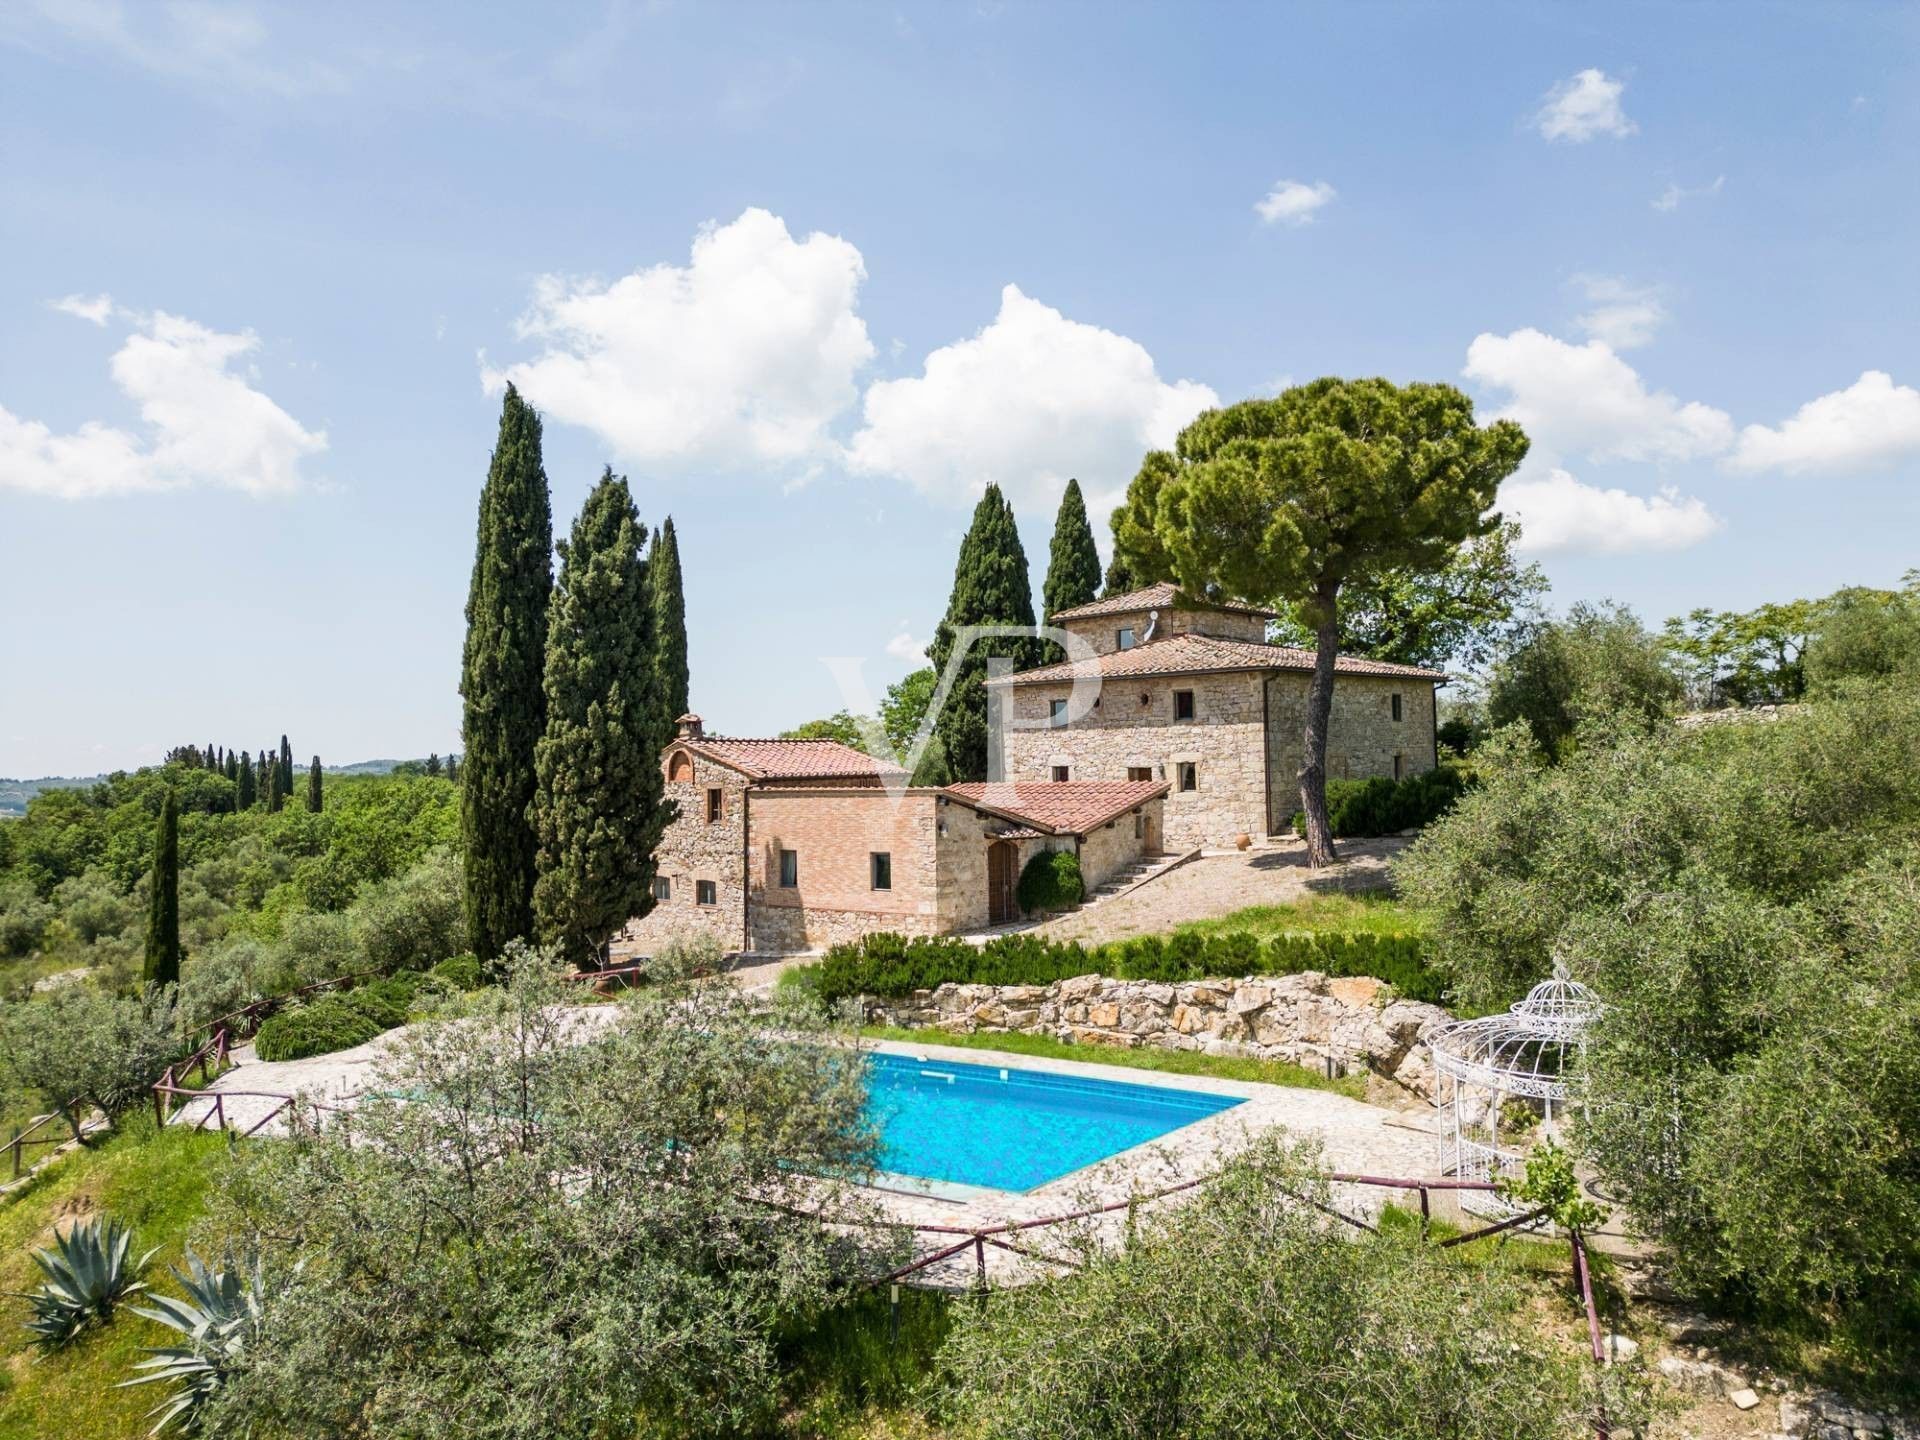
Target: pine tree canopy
(163, 900)
(1073, 563)
(669, 629)
(990, 587)
(600, 807)
(504, 707)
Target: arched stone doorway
(1003, 870)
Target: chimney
(689, 726)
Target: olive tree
(1288, 501)
(1243, 1314)
(81, 1048)
(562, 1219)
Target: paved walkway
(1219, 884)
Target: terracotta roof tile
(793, 759)
(1059, 807)
(1205, 654)
(1165, 595)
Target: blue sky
(811, 275)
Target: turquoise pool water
(1008, 1129)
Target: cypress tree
(600, 807)
(163, 904)
(1120, 577)
(285, 773)
(990, 587)
(248, 792)
(316, 802)
(1073, 562)
(504, 710)
(669, 630)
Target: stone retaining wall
(1306, 1019)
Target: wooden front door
(1002, 862)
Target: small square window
(789, 869)
(1183, 704)
(1061, 773)
(1189, 775)
(1123, 637)
(1140, 772)
(1396, 705)
(662, 888)
(1056, 712)
(705, 892)
(882, 862)
(716, 802)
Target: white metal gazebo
(1520, 1054)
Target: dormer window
(1123, 638)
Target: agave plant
(88, 1274)
(220, 1313)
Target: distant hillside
(14, 794)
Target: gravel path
(1216, 885)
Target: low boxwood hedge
(893, 965)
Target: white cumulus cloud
(1292, 202)
(1871, 422)
(743, 356)
(1623, 315)
(1587, 105)
(1558, 512)
(204, 424)
(1585, 399)
(1029, 402)
(905, 647)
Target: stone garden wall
(1305, 1019)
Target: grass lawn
(1173, 1062)
(154, 1181)
(1363, 911)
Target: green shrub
(81, 1047)
(1050, 881)
(330, 1023)
(892, 965)
(1379, 806)
(462, 972)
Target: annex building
(1190, 695)
(785, 846)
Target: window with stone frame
(1183, 704)
(789, 869)
(1396, 704)
(662, 888)
(1139, 825)
(1140, 772)
(1189, 775)
(1056, 712)
(1062, 774)
(680, 768)
(706, 892)
(1123, 638)
(716, 804)
(1398, 762)
(882, 865)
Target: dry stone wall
(1305, 1019)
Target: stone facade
(693, 850)
(720, 860)
(1306, 1019)
(1132, 729)
(1230, 752)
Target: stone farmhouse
(1190, 695)
(785, 846)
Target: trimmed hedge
(1358, 808)
(1050, 881)
(893, 965)
(341, 1019)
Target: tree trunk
(1313, 748)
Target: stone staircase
(1141, 872)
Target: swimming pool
(1011, 1129)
